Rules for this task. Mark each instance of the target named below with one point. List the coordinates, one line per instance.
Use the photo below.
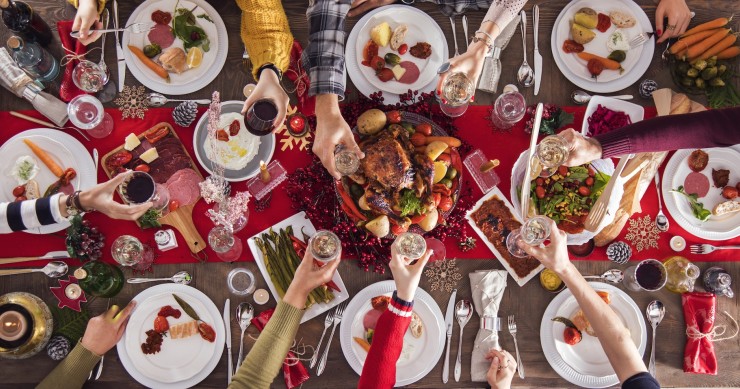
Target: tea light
(73, 291)
(261, 296)
(678, 243)
(297, 125)
(12, 326)
(248, 89)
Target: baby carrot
(730, 52)
(706, 44)
(156, 68)
(45, 158)
(716, 23)
(608, 63)
(718, 48)
(363, 343)
(684, 43)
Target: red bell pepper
(348, 205)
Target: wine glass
(325, 246)
(649, 275)
(86, 113)
(260, 117)
(457, 90)
(533, 232)
(127, 250)
(89, 76)
(346, 161)
(139, 188)
(411, 245)
(227, 246)
(551, 153)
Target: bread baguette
(726, 207)
(32, 190)
(399, 36)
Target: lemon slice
(195, 57)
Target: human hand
(105, 330)
(268, 87)
(580, 149)
(469, 63)
(361, 6)
(86, 17)
(407, 276)
(678, 15)
(100, 198)
(308, 276)
(502, 369)
(555, 255)
(331, 130)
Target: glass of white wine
(533, 232)
(127, 250)
(551, 153)
(346, 161)
(411, 245)
(457, 90)
(325, 246)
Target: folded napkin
(298, 75)
(69, 90)
(294, 373)
(17, 81)
(488, 288)
(699, 311)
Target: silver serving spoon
(614, 276)
(181, 277)
(655, 312)
(244, 315)
(463, 312)
(525, 74)
(53, 269)
(581, 97)
(157, 100)
(661, 221)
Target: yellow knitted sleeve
(76, 3)
(266, 33)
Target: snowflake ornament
(642, 233)
(443, 275)
(132, 102)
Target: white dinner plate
(717, 227)
(416, 20)
(299, 222)
(63, 149)
(634, 111)
(182, 363)
(419, 356)
(265, 152)
(191, 80)
(575, 70)
(586, 364)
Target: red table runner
(474, 127)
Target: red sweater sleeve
(379, 371)
(712, 128)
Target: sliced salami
(412, 72)
(162, 35)
(696, 183)
(183, 186)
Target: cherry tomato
(540, 181)
(385, 74)
(207, 332)
(418, 139)
(398, 229)
(403, 49)
(540, 192)
(590, 181)
(437, 199)
(369, 51)
(174, 204)
(571, 336)
(584, 191)
(424, 128)
(445, 158)
(394, 117)
(591, 171)
(563, 170)
(417, 218)
(161, 325)
(445, 204)
(595, 67)
(19, 190)
(142, 168)
(571, 46)
(377, 63)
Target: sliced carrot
(45, 158)
(730, 52)
(451, 141)
(699, 48)
(684, 43)
(716, 23)
(155, 67)
(363, 343)
(716, 49)
(608, 63)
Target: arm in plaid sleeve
(324, 56)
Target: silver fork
(327, 322)
(135, 28)
(337, 319)
(708, 248)
(512, 331)
(640, 39)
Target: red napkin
(294, 375)
(299, 77)
(699, 310)
(69, 90)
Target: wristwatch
(271, 67)
(74, 207)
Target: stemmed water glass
(227, 246)
(86, 113)
(457, 90)
(127, 250)
(89, 76)
(533, 232)
(551, 153)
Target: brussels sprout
(693, 73)
(409, 127)
(701, 84)
(721, 69)
(617, 55)
(392, 59)
(716, 82)
(709, 73)
(682, 68)
(152, 50)
(712, 61)
(700, 65)
(687, 81)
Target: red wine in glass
(650, 275)
(260, 116)
(139, 188)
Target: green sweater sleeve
(266, 357)
(72, 372)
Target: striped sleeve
(22, 215)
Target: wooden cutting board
(182, 218)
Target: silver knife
(537, 55)
(227, 325)
(119, 50)
(491, 73)
(449, 319)
(527, 182)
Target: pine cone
(185, 113)
(619, 252)
(58, 348)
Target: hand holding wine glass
(100, 198)
(580, 148)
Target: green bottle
(100, 279)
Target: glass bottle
(33, 59)
(20, 18)
(100, 279)
(681, 274)
(717, 280)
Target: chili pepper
(348, 205)
(331, 285)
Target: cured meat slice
(162, 35)
(184, 330)
(412, 72)
(183, 186)
(371, 319)
(696, 183)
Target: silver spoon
(525, 74)
(157, 100)
(181, 277)
(581, 97)
(53, 269)
(454, 35)
(655, 312)
(614, 276)
(661, 221)
(244, 315)
(463, 312)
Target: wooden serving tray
(182, 218)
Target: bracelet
(489, 40)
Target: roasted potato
(430, 221)
(581, 34)
(380, 226)
(587, 17)
(371, 122)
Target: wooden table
(527, 303)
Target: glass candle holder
(241, 281)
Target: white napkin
(488, 288)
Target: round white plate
(64, 149)
(574, 68)
(182, 363)
(412, 17)
(717, 227)
(586, 364)
(419, 356)
(189, 81)
(517, 177)
(265, 152)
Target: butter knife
(527, 182)
(491, 73)
(119, 50)
(227, 325)
(449, 320)
(49, 255)
(537, 55)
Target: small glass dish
(241, 281)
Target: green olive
(356, 190)
(409, 127)
(446, 182)
(451, 173)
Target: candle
(297, 125)
(678, 243)
(248, 89)
(261, 296)
(12, 326)
(264, 174)
(73, 291)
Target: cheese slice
(398, 71)
(150, 155)
(131, 142)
